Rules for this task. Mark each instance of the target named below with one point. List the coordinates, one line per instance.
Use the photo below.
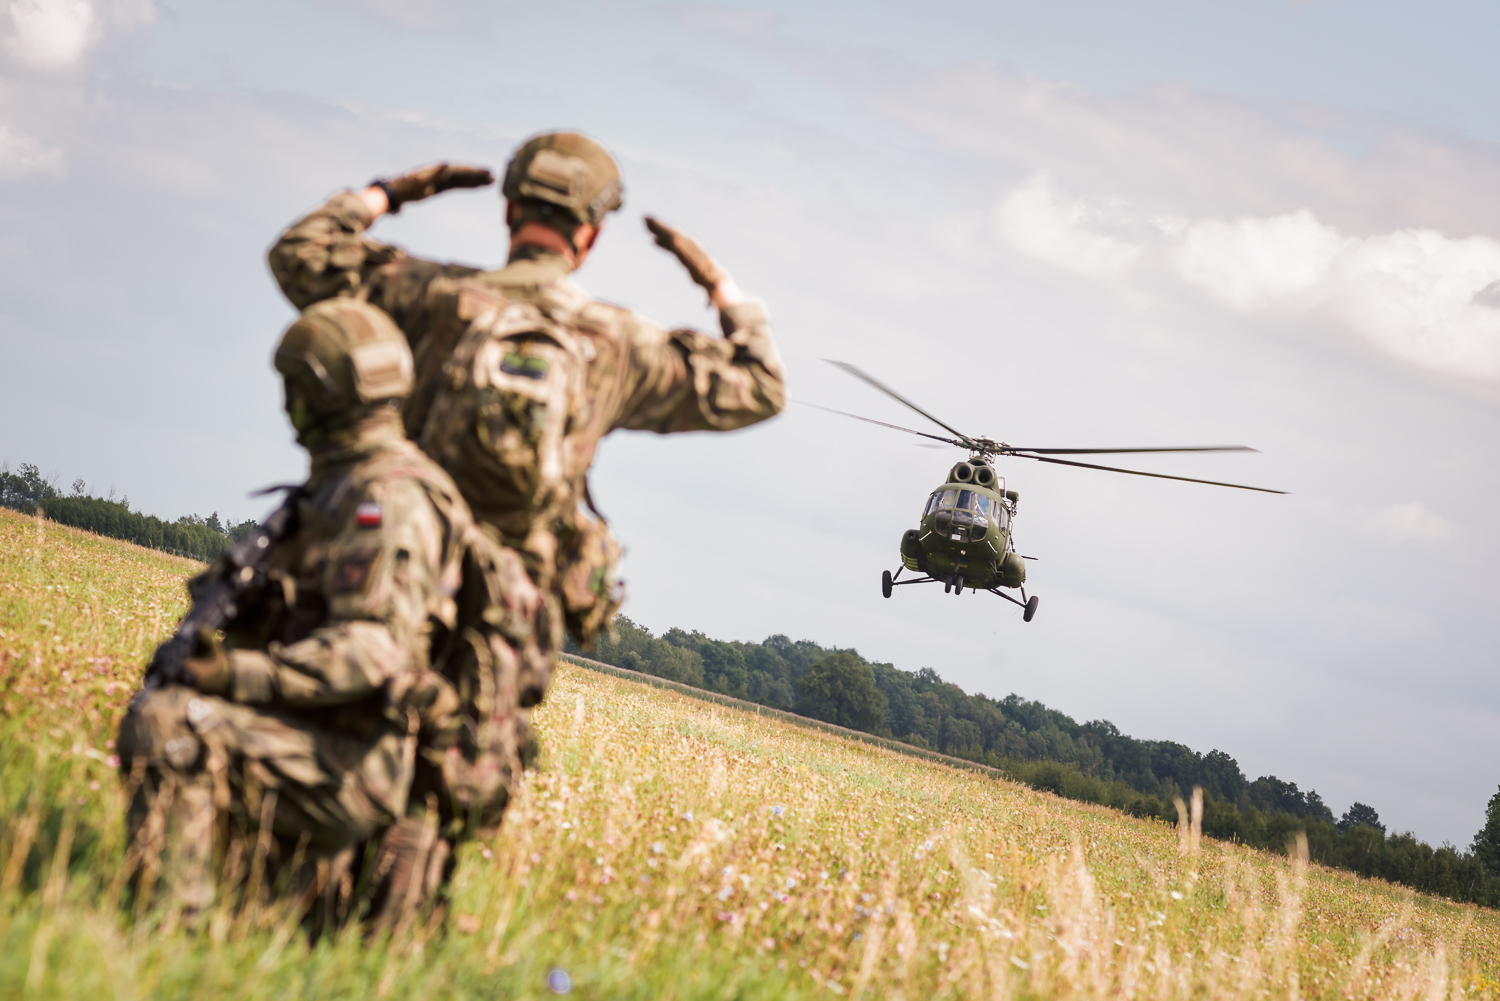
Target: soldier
(297, 735)
(519, 373)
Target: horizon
(1073, 226)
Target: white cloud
(1041, 222)
(1424, 297)
(1252, 262)
(1419, 295)
(21, 155)
(1411, 522)
(51, 33)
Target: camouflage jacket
(372, 560)
(630, 373)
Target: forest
(1093, 761)
(1047, 749)
(28, 491)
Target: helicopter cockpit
(964, 514)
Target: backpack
(500, 385)
(511, 390)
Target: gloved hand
(704, 270)
(428, 181)
(208, 668)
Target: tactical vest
(500, 387)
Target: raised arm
(683, 380)
(326, 253)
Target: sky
(1061, 225)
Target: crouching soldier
(279, 754)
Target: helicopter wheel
(958, 584)
(948, 584)
(1030, 612)
(885, 583)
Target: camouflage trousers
(261, 802)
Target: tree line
(28, 491)
(1047, 749)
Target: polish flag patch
(368, 515)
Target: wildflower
(558, 981)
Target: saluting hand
(703, 269)
(424, 182)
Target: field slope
(670, 848)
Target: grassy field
(673, 849)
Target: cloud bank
(1421, 296)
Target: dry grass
(669, 848)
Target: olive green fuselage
(965, 531)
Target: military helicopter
(964, 538)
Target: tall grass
(669, 848)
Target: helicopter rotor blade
(1106, 451)
(1138, 472)
(888, 391)
(893, 427)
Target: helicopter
(964, 537)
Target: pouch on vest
(588, 578)
(514, 381)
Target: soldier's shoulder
(405, 470)
(618, 323)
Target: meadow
(672, 848)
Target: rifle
(240, 578)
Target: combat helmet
(567, 170)
(340, 357)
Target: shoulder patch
(351, 573)
(369, 515)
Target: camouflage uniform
(300, 734)
(590, 366)
(520, 374)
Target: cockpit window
(966, 499)
(945, 499)
(982, 505)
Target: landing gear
(1028, 607)
(953, 583)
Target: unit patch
(369, 515)
(351, 573)
(526, 366)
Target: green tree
(1486, 846)
(840, 689)
(1360, 813)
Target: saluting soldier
(299, 732)
(520, 373)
